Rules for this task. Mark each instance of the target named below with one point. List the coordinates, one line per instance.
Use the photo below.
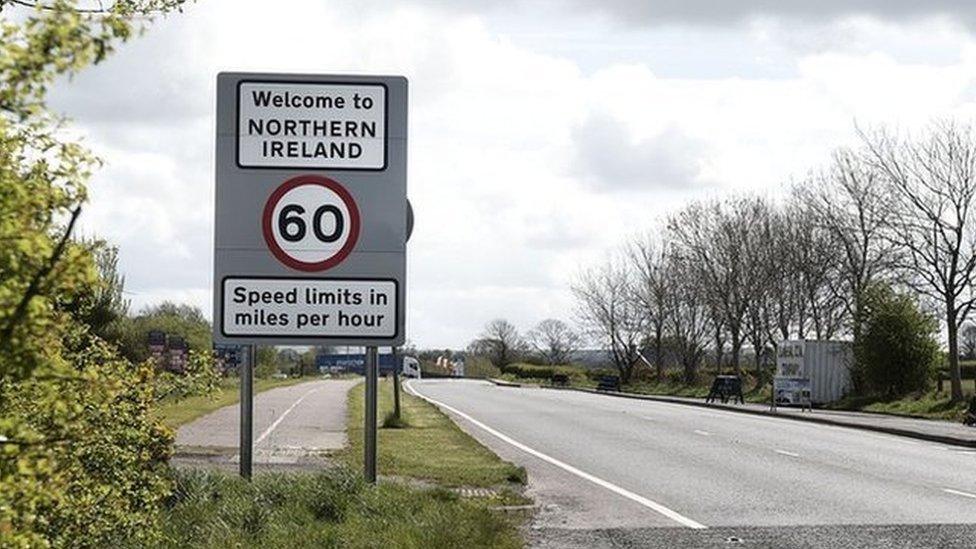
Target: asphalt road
(293, 426)
(618, 473)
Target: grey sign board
(310, 203)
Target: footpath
(944, 432)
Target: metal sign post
(247, 411)
(369, 446)
(311, 220)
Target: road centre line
(785, 453)
(661, 509)
(282, 417)
(724, 414)
(958, 493)
(702, 433)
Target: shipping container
(827, 364)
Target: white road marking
(282, 417)
(785, 453)
(958, 493)
(725, 414)
(673, 515)
(702, 433)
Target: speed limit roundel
(310, 223)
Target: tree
(897, 352)
(715, 237)
(81, 458)
(812, 259)
(932, 180)
(968, 342)
(102, 305)
(176, 320)
(503, 344)
(606, 308)
(651, 292)
(555, 341)
(266, 363)
(686, 314)
(849, 201)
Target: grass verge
(429, 446)
(328, 509)
(176, 412)
(928, 405)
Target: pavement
(622, 472)
(295, 427)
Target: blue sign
(353, 363)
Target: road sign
(310, 223)
(311, 218)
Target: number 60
(292, 227)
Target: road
(619, 472)
(294, 426)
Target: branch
(33, 289)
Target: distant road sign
(310, 224)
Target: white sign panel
(309, 308)
(311, 125)
(310, 223)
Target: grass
(329, 509)
(429, 446)
(928, 404)
(174, 412)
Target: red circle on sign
(282, 255)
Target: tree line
(746, 271)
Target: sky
(543, 135)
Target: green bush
(479, 366)
(98, 471)
(544, 373)
(897, 351)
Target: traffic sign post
(311, 217)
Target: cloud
(725, 12)
(609, 157)
(526, 162)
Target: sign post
(247, 411)
(311, 219)
(369, 445)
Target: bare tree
(849, 201)
(555, 341)
(933, 182)
(606, 307)
(686, 315)
(652, 289)
(768, 289)
(714, 237)
(812, 260)
(502, 343)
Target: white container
(827, 364)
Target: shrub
(544, 373)
(479, 366)
(897, 351)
